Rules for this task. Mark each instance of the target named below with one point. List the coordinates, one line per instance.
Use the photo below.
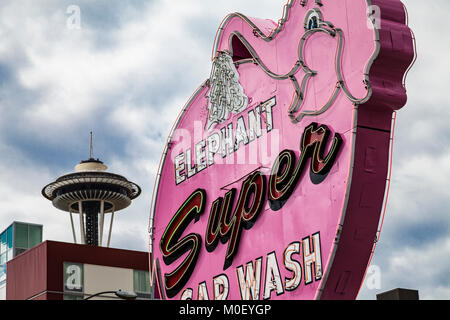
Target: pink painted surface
(345, 208)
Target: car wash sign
(273, 180)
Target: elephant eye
(312, 19)
(313, 24)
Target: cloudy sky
(126, 72)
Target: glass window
(9, 237)
(3, 243)
(21, 235)
(34, 236)
(18, 251)
(3, 258)
(2, 274)
(141, 281)
(9, 255)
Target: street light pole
(119, 293)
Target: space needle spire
(91, 147)
(91, 193)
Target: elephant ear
(239, 50)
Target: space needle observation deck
(91, 193)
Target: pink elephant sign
(273, 179)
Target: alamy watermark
(73, 21)
(374, 17)
(373, 278)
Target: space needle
(91, 193)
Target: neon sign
(273, 180)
